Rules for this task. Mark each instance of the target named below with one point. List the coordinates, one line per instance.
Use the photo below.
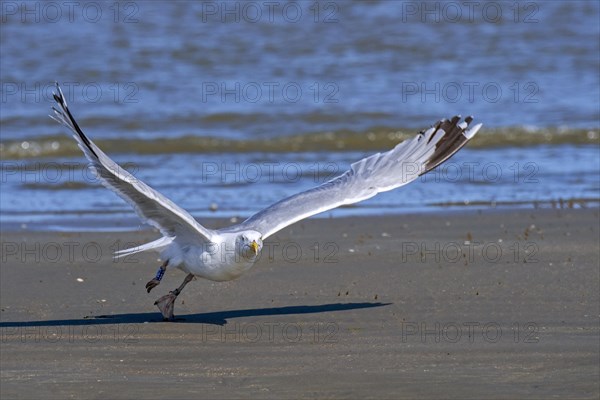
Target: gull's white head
(249, 244)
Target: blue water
(148, 70)
(237, 185)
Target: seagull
(225, 254)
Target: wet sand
(493, 304)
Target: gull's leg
(159, 275)
(167, 302)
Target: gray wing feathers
(377, 173)
(151, 206)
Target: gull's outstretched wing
(151, 206)
(378, 173)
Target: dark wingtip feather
(455, 137)
(65, 114)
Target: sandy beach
(492, 304)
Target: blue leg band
(159, 274)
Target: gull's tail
(156, 245)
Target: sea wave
(374, 139)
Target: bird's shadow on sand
(214, 318)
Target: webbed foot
(166, 305)
(152, 284)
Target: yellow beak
(254, 246)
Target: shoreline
(494, 303)
(131, 223)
